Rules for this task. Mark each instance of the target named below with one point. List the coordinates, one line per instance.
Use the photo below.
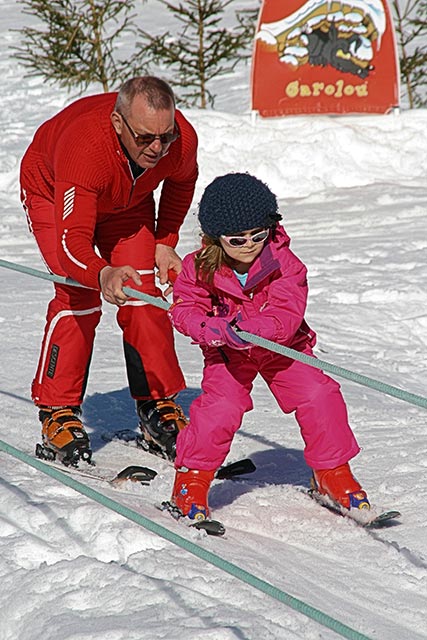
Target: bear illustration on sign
(322, 33)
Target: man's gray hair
(157, 93)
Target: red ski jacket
(76, 161)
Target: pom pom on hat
(236, 202)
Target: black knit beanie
(236, 202)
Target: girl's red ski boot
(190, 492)
(340, 485)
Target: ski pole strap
(204, 554)
(383, 387)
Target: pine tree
(75, 43)
(410, 17)
(203, 50)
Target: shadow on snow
(105, 413)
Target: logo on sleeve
(68, 202)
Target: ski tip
(212, 527)
(135, 473)
(238, 468)
(383, 518)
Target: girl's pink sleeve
(191, 302)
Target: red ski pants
(74, 313)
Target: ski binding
(69, 457)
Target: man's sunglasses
(145, 139)
(240, 241)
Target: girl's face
(249, 246)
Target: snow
(353, 194)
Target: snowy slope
(353, 195)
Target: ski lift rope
(204, 554)
(383, 387)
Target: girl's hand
(217, 332)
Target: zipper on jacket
(133, 183)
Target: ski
(133, 473)
(129, 438)
(143, 475)
(366, 518)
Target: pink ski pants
(217, 413)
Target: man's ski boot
(160, 422)
(341, 487)
(63, 436)
(190, 493)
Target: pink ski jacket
(272, 303)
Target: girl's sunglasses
(240, 241)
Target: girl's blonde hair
(210, 258)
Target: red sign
(320, 56)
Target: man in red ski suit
(87, 183)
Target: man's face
(142, 120)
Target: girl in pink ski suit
(259, 286)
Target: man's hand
(167, 260)
(111, 280)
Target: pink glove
(217, 332)
(262, 326)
